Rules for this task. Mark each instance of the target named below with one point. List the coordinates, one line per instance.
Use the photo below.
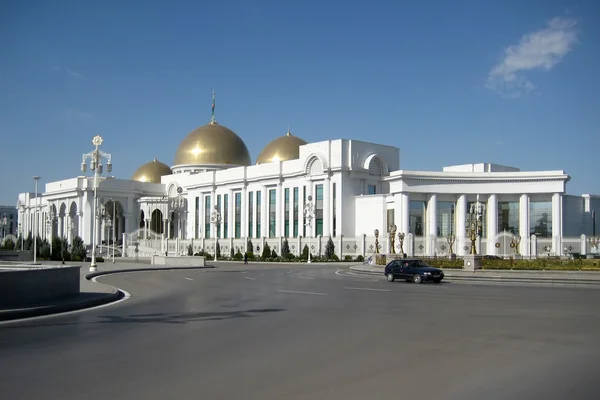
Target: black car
(416, 271)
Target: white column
(431, 225)
(301, 220)
(213, 203)
(461, 225)
(327, 204)
(492, 223)
(524, 224)
(278, 212)
(231, 216)
(244, 217)
(404, 225)
(264, 213)
(557, 222)
(61, 219)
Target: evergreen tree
(285, 248)
(250, 246)
(329, 249)
(266, 253)
(218, 250)
(78, 252)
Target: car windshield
(419, 264)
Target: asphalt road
(308, 333)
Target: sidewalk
(487, 275)
(91, 294)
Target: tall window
(304, 219)
(238, 215)
(197, 218)
(372, 189)
(225, 214)
(220, 210)
(508, 217)
(287, 213)
(207, 216)
(319, 210)
(483, 219)
(417, 217)
(258, 213)
(334, 210)
(250, 213)
(296, 212)
(272, 211)
(540, 218)
(445, 218)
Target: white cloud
(542, 49)
(73, 115)
(68, 71)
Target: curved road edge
(93, 294)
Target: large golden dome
(212, 144)
(283, 148)
(151, 172)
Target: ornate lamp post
(376, 241)
(309, 214)
(594, 241)
(96, 158)
(21, 234)
(401, 237)
(49, 224)
(475, 223)
(514, 243)
(393, 229)
(178, 205)
(4, 225)
(215, 218)
(35, 225)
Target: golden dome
(212, 144)
(281, 149)
(151, 172)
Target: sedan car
(413, 270)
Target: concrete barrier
(16, 255)
(190, 261)
(20, 287)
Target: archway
(142, 220)
(156, 223)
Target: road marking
(371, 289)
(189, 279)
(293, 291)
(247, 277)
(306, 277)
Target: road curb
(93, 275)
(12, 315)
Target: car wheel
(390, 277)
(437, 280)
(417, 278)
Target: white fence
(418, 246)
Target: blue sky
(448, 82)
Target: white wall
(370, 214)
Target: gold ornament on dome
(281, 149)
(151, 172)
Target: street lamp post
(21, 234)
(401, 237)
(393, 230)
(215, 218)
(49, 222)
(514, 243)
(309, 214)
(594, 241)
(36, 179)
(96, 158)
(475, 223)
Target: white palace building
(350, 188)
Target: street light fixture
(215, 218)
(393, 230)
(309, 214)
(177, 205)
(475, 223)
(49, 222)
(96, 158)
(35, 226)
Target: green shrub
(305, 252)
(360, 258)
(289, 257)
(251, 256)
(347, 258)
(273, 254)
(78, 252)
(190, 250)
(285, 249)
(238, 256)
(250, 247)
(266, 253)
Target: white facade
(356, 186)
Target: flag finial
(212, 118)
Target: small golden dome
(281, 149)
(212, 144)
(151, 172)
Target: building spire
(288, 132)
(212, 118)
